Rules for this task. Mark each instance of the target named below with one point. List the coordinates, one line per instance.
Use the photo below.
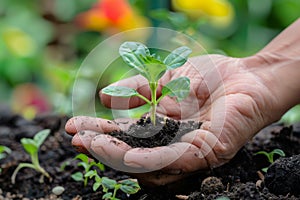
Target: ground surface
(236, 180)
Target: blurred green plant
(128, 186)
(87, 163)
(291, 116)
(270, 156)
(91, 167)
(4, 151)
(32, 146)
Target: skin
(233, 97)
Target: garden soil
(241, 178)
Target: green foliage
(291, 116)
(3, 152)
(138, 56)
(270, 156)
(128, 186)
(32, 146)
(87, 165)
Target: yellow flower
(18, 42)
(219, 12)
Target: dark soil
(238, 179)
(165, 131)
(283, 176)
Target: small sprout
(128, 186)
(270, 156)
(138, 56)
(3, 153)
(109, 186)
(87, 164)
(32, 146)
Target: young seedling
(32, 146)
(87, 164)
(3, 153)
(270, 156)
(110, 186)
(152, 67)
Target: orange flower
(111, 16)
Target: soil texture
(165, 131)
(241, 178)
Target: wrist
(280, 75)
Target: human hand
(231, 99)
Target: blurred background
(44, 42)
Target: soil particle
(212, 185)
(283, 176)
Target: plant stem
(36, 164)
(20, 166)
(153, 87)
(144, 98)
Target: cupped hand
(231, 98)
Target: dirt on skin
(238, 179)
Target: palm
(228, 98)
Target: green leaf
(40, 137)
(133, 54)
(119, 91)
(279, 152)
(100, 166)
(108, 195)
(179, 88)
(155, 71)
(29, 145)
(78, 176)
(265, 169)
(4, 149)
(90, 173)
(96, 185)
(84, 158)
(108, 183)
(86, 166)
(129, 186)
(2, 155)
(177, 57)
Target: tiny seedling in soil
(129, 186)
(3, 153)
(152, 67)
(270, 156)
(87, 164)
(32, 146)
(110, 186)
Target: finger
(82, 141)
(77, 124)
(209, 146)
(157, 178)
(190, 160)
(150, 159)
(138, 83)
(110, 151)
